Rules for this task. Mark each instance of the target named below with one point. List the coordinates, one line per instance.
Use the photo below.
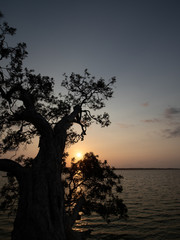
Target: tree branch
(12, 167)
(66, 121)
(27, 99)
(31, 116)
(24, 96)
(63, 125)
(76, 210)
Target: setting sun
(79, 155)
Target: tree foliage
(97, 184)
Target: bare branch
(40, 123)
(66, 121)
(76, 210)
(12, 167)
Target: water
(153, 201)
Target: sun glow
(79, 155)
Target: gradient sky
(138, 41)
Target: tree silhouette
(30, 109)
(96, 186)
(90, 185)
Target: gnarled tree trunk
(41, 213)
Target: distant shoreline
(147, 168)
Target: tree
(30, 109)
(90, 185)
(96, 186)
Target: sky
(138, 41)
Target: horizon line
(146, 168)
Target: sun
(79, 155)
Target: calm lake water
(153, 201)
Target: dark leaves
(9, 196)
(86, 91)
(98, 183)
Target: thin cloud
(154, 120)
(146, 104)
(124, 125)
(171, 112)
(172, 133)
